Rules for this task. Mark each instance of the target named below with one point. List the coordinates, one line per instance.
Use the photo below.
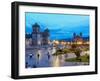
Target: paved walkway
(44, 58)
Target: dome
(36, 25)
(46, 30)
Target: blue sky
(61, 26)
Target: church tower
(45, 37)
(74, 35)
(80, 34)
(36, 28)
(36, 35)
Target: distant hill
(70, 39)
(67, 39)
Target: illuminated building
(38, 37)
(77, 39)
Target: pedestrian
(48, 55)
(38, 56)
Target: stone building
(78, 39)
(39, 38)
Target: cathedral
(78, 39)
(39, 38)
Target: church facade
(78, 39)
(39, 38)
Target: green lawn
(84, 58)
(62, 51)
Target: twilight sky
(61, 26)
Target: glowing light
(56, 42)
(63, 43)
(79, 42)
(56, 62)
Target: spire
(80, 34)
(74, 34)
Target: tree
(75, 49)
(77, 53)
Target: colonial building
(77, 39)
(39, 38)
